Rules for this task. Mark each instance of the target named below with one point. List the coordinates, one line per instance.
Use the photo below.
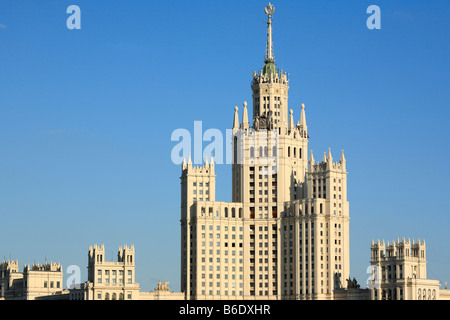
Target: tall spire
(269, 67)
(269, 10)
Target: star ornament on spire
(269, 9)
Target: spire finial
(269, 10)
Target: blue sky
(86, 118)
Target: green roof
(269, 68)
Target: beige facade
(399, 272)
(108, 280)
(285, 235)
(37, 281)
(116, 280)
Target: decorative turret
(96, 254)
(329, 157)
(311, 161)
(303, 119)
(126, 255)
(327, 164)
(236, 119)
(342, 161)
(291, 121)
(245, 124)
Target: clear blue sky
(86, 118)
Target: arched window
(226, 212)
(114, 296)
(233, 212)
(120, 296)
(240, 212)
(252, 152)
(321, 207)
(300, 153)
(289, 151)
(106, 296)
(294, 153)
(274, 151)
(265, 151)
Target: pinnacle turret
(245, 124)
(303, 118)
(236, 118)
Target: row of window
(113, 272)
(113, 280)
(200, 199)
(52, 284)
(113, 296)
(200, 191)
(218, 292)
(200, 184)
(226, 211)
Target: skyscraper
(285, 235)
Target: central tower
(270, 86)
(285, 233)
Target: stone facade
(399, 272)
(37, 281)
(285, 235)
(115, 280)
